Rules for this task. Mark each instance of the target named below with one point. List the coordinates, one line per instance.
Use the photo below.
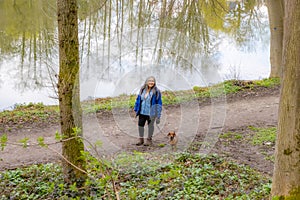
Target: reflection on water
(117, 60)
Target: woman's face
(150, 82)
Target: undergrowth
(141, 176)
(30, 113)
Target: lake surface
(116, 70)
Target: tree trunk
(276, 14)
(68, 90)
(286, 178)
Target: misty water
(117, 54)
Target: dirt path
(193, 122)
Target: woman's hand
(157, 121)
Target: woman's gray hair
(146, 85)
(150, 77)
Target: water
(228, 64)
(116, 70)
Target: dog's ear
(169, 134)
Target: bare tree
(68, 90)
(276, 14)
(286, 178)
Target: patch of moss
(294, 195)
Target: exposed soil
(197, 124)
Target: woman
(148, 106)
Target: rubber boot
(150, 133)
(148, 142)
(141, 142)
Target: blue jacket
(156, 104)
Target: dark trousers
(142, 121)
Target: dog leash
(158, 128)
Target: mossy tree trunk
(276, 14)
(286, 178)
(68, 89)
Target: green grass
(263, 135)
(142, 176)
(269, 157)
(268, 82)
(29, 113)
(231, 136)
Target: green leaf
(73, 188)
(76, 131)
(58, 136)
(24, 141)
(3, 141)
(41, 142)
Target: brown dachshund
(173, 140)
